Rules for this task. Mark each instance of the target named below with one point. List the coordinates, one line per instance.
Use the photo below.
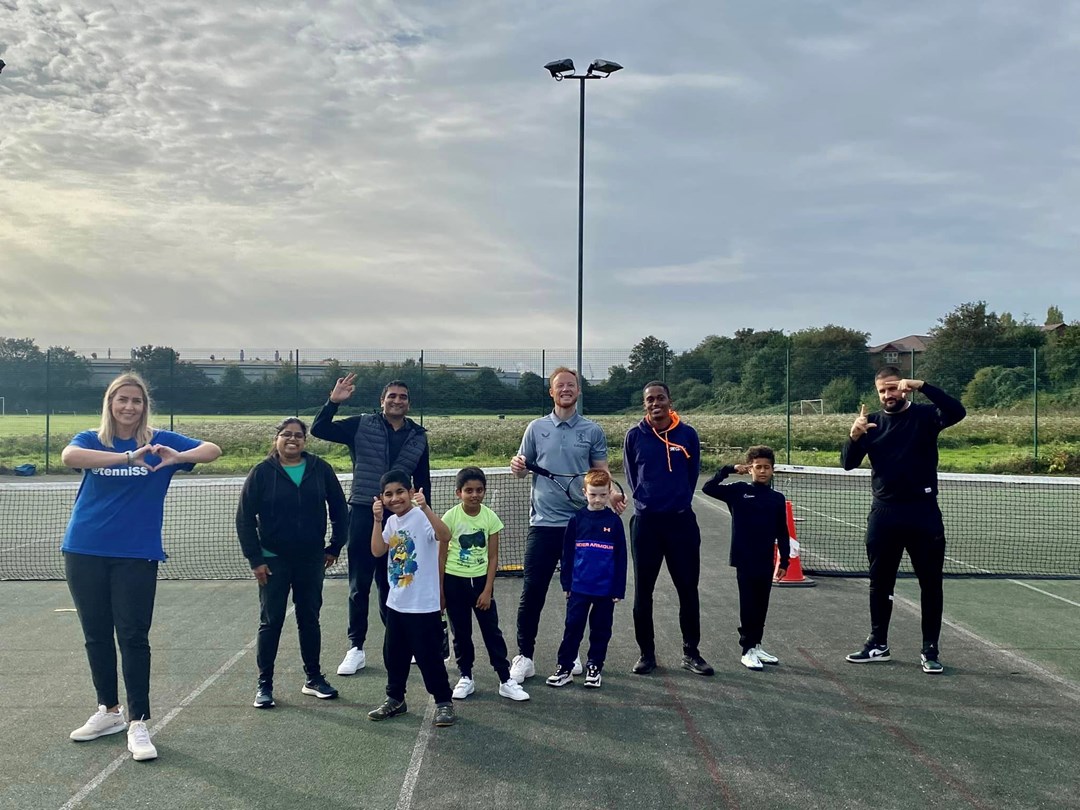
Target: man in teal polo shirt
(564, 441)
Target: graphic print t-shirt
(468, 555)
(412, 565)
(119, 510)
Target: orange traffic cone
(794, 578)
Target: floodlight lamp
(604, 66)
(559, 67)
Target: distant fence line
(772, 378)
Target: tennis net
(995, 525)
(200, 525)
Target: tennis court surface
(999, 729)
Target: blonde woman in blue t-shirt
(469, 562)
(113, 545)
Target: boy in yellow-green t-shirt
(469, 562)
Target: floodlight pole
(581, 236)
(606, 69)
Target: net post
(172, 390)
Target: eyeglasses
(287, 434)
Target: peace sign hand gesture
(861, 425)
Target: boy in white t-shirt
(412, 537)
(469, 563)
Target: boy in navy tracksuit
(758, 520)
(593, 576)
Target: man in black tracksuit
(377, 444)
(901, 442)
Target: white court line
(1072, 689)
(111, 768)
(412, 773)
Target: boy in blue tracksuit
(593, 577)
(758, 521)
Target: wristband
(129, 458)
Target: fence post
(421, 388)
(172, 390)
(297, 398)
(48, 406)
(543, 373)
(1035, 400)
(787, 394)
(913, 364)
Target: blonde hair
(107, 429)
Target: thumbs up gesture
(861, 425)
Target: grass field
(981, 443)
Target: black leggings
(890, 529)
(304, 577)
(115, 595)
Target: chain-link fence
(799, 400)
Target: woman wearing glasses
(281, 522)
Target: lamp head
(559, 67)
(604, 66)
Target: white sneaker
(764, 657)
(139, 741)
(522, 668)
(578, 669)
(750, 660)
(353, 661)
(512, 689)
(464, 688)
(100, 724)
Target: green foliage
(997, 387)
(840, 395)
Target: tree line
(991, 360)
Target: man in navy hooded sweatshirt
(662, 459)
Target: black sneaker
(644, 665)
(593, 678)
(561, 677)
(389, 708)
(930, 663)
(264, 696)
(696, 664)
(445, 715)
(318, 687)
(870, 654)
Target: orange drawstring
(670, 444)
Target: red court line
(901, 736)
(701, 744)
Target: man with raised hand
(662, 459)
(378, 443)
(564, 441)
(901, 443)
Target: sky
(376, 174)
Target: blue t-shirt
(119, 510)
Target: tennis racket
(572, 484)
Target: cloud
(343, 174)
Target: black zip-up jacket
(903, 447)
(758, 522)
(290, 520)
(375, 448)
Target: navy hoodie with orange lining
(662, 467)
